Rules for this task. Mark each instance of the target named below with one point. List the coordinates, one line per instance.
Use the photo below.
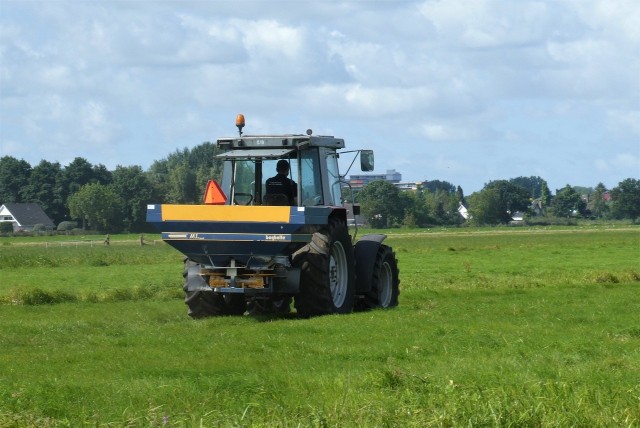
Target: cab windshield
(246, 173)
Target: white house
(25, 216)
(463, 211)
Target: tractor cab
(249, 161)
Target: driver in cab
(282, 185)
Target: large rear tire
(385, 283)
(327, 273)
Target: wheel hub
(338, 274)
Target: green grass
(494, 328)
(35, 274)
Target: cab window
(244, 179)
(310, 179)
(335, 186)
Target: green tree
(626, 199)
(485, 207)
(533, 185)
(545, 194)
(583, 191)
(75, 175)
(41, 189)
(442, 207)
(597, 205)
(181, 184)
(98, 205)
(434, 185)
(14, 177)
(182, 176)
(203, 160)
(157, 175)
(100, 174)
(416, 213)
(381, 205)
(568, 202)
(133, 187)
(504, 198)
(460, 196)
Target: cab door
(332, 180)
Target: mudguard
(365, 252)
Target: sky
(455, 90)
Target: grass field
(495, 327)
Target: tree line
(81, 194)
(437, 203)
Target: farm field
(495, 327)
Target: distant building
(361, 180)
(409, 185)
(463, 212)
(25, 216)
(517, 216)
(537, 207)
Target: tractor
(250, 250)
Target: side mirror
(366, 160)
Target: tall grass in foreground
(37, 275)
(492, 330)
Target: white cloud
(54, 105)
(10, 148)
(464, 81)
(467, 131)
(436, 132)
(270, 39)
(617, 19)
(56, 76)
(209, 40)
(579, 52)
(487, 23)
(627, 163)
(625, 122)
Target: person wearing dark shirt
(281, 184)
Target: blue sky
(462, 91)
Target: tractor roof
(283, 142)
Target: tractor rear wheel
(327, 277)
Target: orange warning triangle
(214, 194)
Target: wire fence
(101, 242)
